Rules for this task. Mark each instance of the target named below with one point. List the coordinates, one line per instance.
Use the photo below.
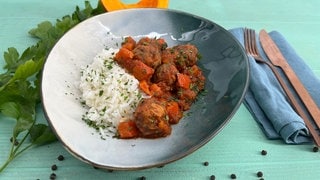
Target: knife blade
(277, 59)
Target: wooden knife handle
(295, 104)
(304, 95)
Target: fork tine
(249, 41)
(246, 40)
(253, 41)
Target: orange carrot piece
(144, 86)
(155, 90)
(183, 81)
(174, 112)
(128, 129)
(129, 43)
(124, 54)
(142, 71)
(124, 58)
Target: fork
(251, 49)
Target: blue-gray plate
(223, 62)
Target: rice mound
(110, 94)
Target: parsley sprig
(20, 83)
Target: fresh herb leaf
(11, 57)
(41, 31)
(24, 122)
(20, 83)
(41, 134)
(10, 109)
(28, 69)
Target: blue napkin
(266, 100)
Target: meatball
(166, 73)
(185, 98)
(151, 118)
(160, 43)
(168, 55)
(185, 56)
(148, 51)
(197, 78)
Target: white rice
(109, 92)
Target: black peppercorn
(60, 157)
(54, 167)
(53, 176)
(315, 149)
(143, 178)
(206, 163)
(212, 177)
(259, 174)
(233, 176)
(264, 152)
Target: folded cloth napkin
(266, 100)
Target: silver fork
(251, 49)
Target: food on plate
(109, 93)
(169, 76)
(154, 84)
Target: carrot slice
(129, 43)
(124, 54)
(141, 71)
(183, 81)
(128, 130)
(155, 90)
(144, 87)
(174, 112)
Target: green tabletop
(235, 150)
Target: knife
(277, 59)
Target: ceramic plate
(223, 62)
